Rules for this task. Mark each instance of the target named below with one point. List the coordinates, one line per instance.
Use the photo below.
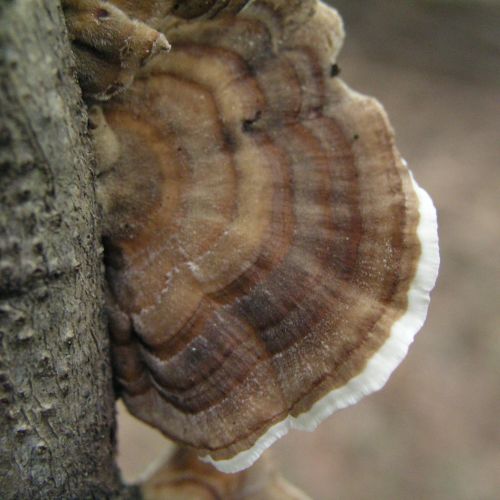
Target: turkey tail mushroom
(269, 255)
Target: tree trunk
(56, 394)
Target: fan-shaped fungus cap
(270, 256)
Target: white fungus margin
(381, 365)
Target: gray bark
(56, 394)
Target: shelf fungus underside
(269, 255)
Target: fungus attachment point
(269, 255)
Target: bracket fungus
(268, 253)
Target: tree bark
(56, 394)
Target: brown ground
(434, 431)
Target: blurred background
(434, 431)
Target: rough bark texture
(56, 396)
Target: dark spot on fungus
(229, 140)
(248, 124)
(102, 14)
(334, 70)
